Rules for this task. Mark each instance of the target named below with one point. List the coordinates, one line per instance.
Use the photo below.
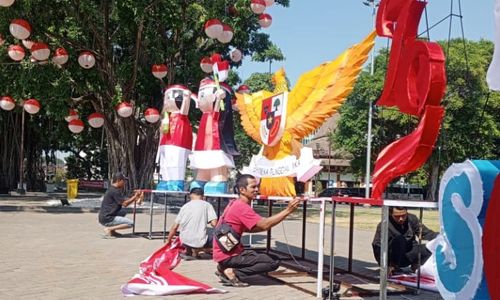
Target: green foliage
(270, 54)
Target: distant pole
(20, 187)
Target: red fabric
(180, 133)
(242, 218)
(208, 133)
(491, 242)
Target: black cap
(119, 176)
(196, 191)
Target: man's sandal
(235, 282)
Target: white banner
(493, 75)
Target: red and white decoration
(159, 71)
(76, 126)
(16, 52)
(72, 115)
(6, 3)
(269, 2)
(226, 35)
(265, 20)
(222, 70)
(20, 29)
(236, 55)
(31, 106)
(27, 44)
(206, 64)
(152, 115)
(86, 59)
(7, 103)
(243, 89)
(124, 109)
(258, 6)
(60, 56)
(40, 51)
(96, 120)
(213, 28)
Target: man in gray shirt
(192, 220)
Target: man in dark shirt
(404, 228)
(110, 214)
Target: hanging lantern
(124, 109)
(96, 120)
(72, 115)
(60, 56)
(213, 28)
(6, 3)
(27, 44)
(16, 52)
(226, 35)
(159, 71)
(76, 126)
(31, 106)
(269, 2)
(152, 115)
(206, 64)
(40, 51)
(235, 55)
(86, 59)
(243, 89)
(7, 103)
(258, 6)
(265, 20)
(20, 29)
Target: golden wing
(320, 92)
(250, 106)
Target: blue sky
(310, 32)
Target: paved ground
(54, 253)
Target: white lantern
(7, 103)
(213, 28)
(235, 55)
(76, 126)
(243, 89)
(31, 106)
(60, 56)
(159, 71)
(258, 6)
(269, 2)
(152, 115)
(96, 120)
(86, 59)
(206, 64)
(226, 35)
(124, 109)
(20, 29)
(40, 51)
(27, 44)
(6, 3)
(72, 115)
(265, 20)
(16, 52)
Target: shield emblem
(273, 118)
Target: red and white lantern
(31, 106)
(86, 59)
(16, 52)
(265, 20)
(213, 28)
(159, 71)
(235, 55)
(27, 44)
(206, 64)
(76, 126)
(152, 115)
(7, 103)
(72, 115)
(40, 51)
(258, 6)
(227, 34)
(96, 120)
(124, 109)
(6, 3)
(269, 2)
(60, 56)
(243, 89)
(20, 29)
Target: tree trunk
(432, 192)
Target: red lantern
(7, 103)
(27, 44)
(265, 20)
(6, 3)
(96, 120)
(235, 55)
(20, 29)
(124, 109)
(86, 59)
(226, 35)
(60, 57)
(31, 106)
(213, 28)
(16, 52)
(269, 2)
(159, 71)
(152, 115)
(72, 115)
(258, 6)
(76, 126)
(243, 89)
(40, 51)
(206, 64)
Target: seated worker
(239, 263)
(192, 220)
(110, 214)
(403, 250)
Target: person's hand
(293, 204)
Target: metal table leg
(383, 252)
(332, 252)
(151, 217)
(165, 208)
